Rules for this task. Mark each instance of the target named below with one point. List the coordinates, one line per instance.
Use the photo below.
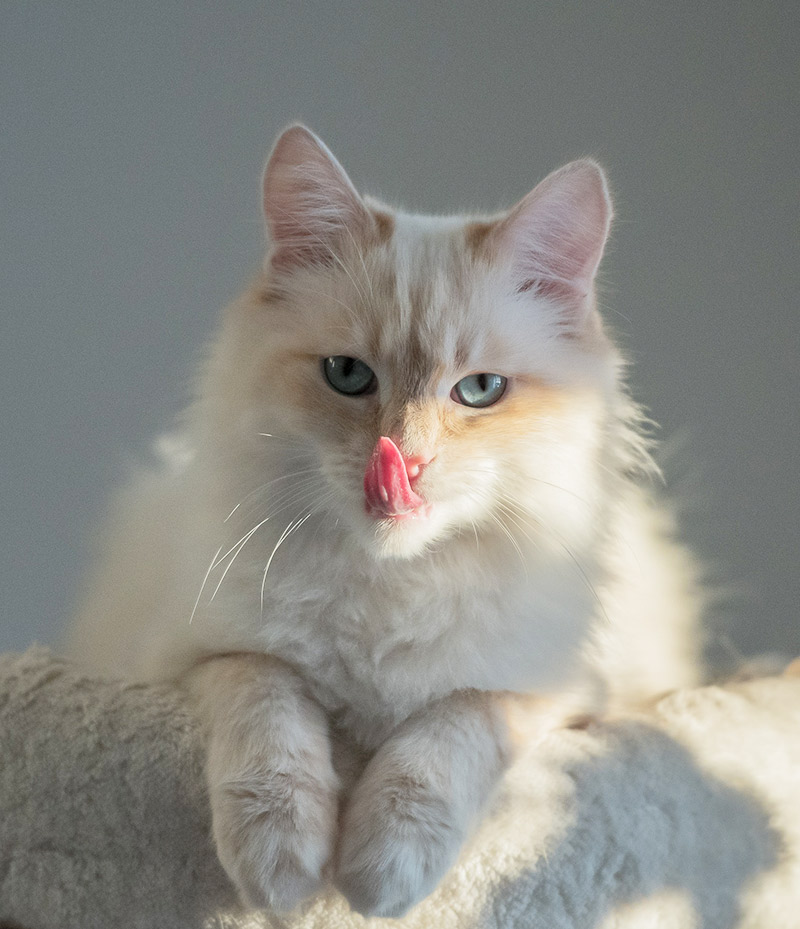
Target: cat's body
(414, 554)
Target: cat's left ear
(556, 235)
(310, 203)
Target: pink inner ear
(556, 235)
(309, 201)
(387, 486)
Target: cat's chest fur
(377, 642)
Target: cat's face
(439, 374)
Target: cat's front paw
(399, 838)
(275, 832)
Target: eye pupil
(479, 390)
(348, 376)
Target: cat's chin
(405, 536)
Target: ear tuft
(557, 233)
(309, 201)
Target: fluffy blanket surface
(687, 817)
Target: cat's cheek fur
(273, 790)
(416, 802)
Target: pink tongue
(386, 484)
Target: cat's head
(444, 375)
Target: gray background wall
(133, 137)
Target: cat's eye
(348, 375)
(480, 389)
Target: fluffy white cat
(410, 488)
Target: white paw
(275, 833)
(398, 840)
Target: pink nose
(415, 464)
(388, 479)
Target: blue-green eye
(479, 389)
(348, 375)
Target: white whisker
(274, 506)
(205, 579)
(284, 477)
(284, 535)
(239, 546)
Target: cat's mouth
(420, 512)
(388, 484)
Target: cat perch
(688, 816)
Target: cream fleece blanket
(688, 816)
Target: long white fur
(543, 565)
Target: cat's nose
(415, 464)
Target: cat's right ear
(309, 202)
